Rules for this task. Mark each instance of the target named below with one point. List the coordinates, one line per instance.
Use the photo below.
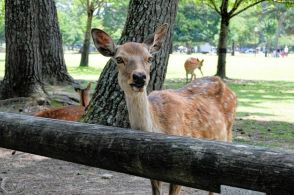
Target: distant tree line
(196, 23)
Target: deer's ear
(154, 41)
(103, 42)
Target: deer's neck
(140, 114)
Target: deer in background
(69, 113)
(205, 108)
(190, 65)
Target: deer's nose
(139, 77)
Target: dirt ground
(23, 173)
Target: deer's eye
(149, 60)
(119, 60)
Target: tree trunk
(86, 46)
(222, 47)
(53, 64)
(108, 106)
(281, 19)
(233, 48)
(23, 59)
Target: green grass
(264, 86)
(96, 65)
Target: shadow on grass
(275, 134)
(252, 93)
(245, 114)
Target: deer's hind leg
(187, 77)
(201, 71)
(156, 187)
(193, 76)
(174, 189)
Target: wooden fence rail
(190, 162)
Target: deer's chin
(137, 88)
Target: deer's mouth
(137, 87)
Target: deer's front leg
(156, 187)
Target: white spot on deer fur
(225, 105)
(219, 121)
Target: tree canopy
(196, 22)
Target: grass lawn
(264, 86)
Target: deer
(204, 108)
(191, 64)
(69, 113)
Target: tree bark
(108, 105)
(222, 47)
(233, 48)
(53, 65)
(23, 59)
(86, 45)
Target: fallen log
(190, 162)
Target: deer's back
(191, 64)
(205, 108)
(69, 113)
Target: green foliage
(271, 16)
(114, 16)
(195, 23)
(72, 17)
(240, 26)
(2, 15)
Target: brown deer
(191, 64)
(205, 108)
(69, 113)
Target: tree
(23, 71)
(53, 64)
(90, 6)
(227, 9)
(34, 50)
(108, 105)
